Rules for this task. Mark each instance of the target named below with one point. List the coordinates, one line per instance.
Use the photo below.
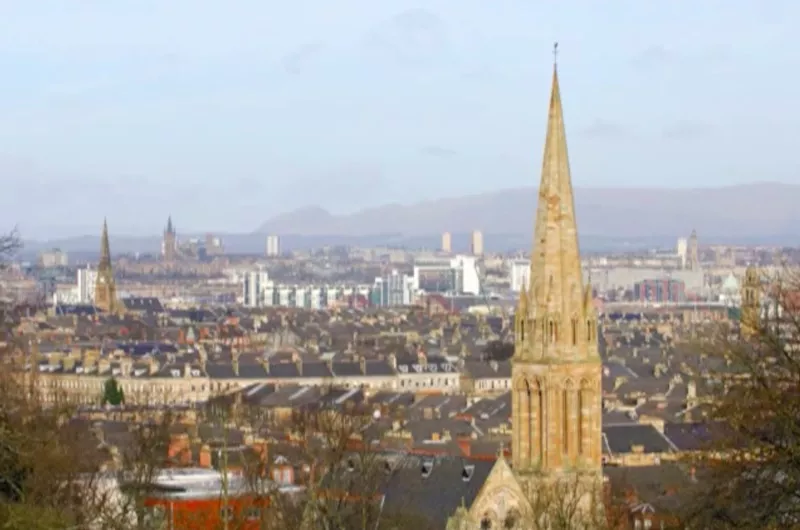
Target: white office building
(254, 285)
(518, 274)
(458, 275)
(86, 279)
(682, 251)
(273, 246)
(394, 289)
(53, 258)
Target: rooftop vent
(427, 467)
(467, 472)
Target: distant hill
(608, 218)
(746, 211)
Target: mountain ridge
(620, 211)
(754, 213)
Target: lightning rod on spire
(555, 53)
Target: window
(540, 421)
(226, 513)
(574, 331)
(511, 520)
(253, 513)
(579, 435)
(486, 523)
(565, 419)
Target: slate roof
(435, 487)
(620, 439)
(488, 370)
(148, 304)
(693, 436)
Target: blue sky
(227, 113)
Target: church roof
(435, 487)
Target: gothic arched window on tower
(590, 330)
(540, 419)
(579, 434)
(512, 519)
(574, 331)
(584, 399)
(522, 330)
(565, 416)
(544, 331)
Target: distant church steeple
(750, 319)
(556, 374)
(105, 291)
(169, 243)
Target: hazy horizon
(225, 115)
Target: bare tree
(9, 244)
(749, 476)
(9, 317)
(341, 473)
(139, 462)
(50, 466)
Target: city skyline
(210, 114)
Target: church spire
(170, 228)
(105, 291)
(556, 372)
(556, 300)
(105, 248)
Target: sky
(224, 114)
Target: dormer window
(427, 468)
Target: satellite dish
(376, 415)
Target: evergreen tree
(113, 393)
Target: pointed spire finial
(105, 251)
(555, 54)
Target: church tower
(105, 291)
(557, 372)
(169, 243)
(751, 303)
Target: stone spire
(170, 228)
(105, 291)
(555, 315)
(105, 248)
